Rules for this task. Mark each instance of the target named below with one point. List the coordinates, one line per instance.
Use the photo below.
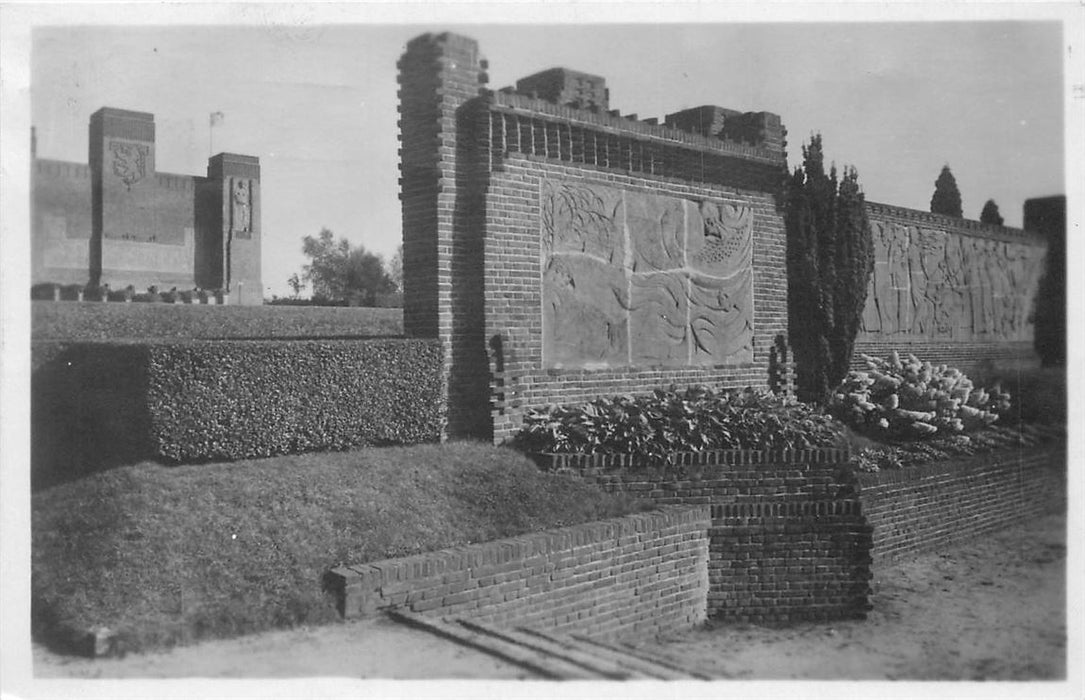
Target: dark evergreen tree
(990, 214)
(830, 257)
(947, 198)
(1047, 217)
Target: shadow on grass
(88, 412)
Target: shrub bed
(99, 404)
(896, 399)
(165, 555)
(654, 427)
(878, 457)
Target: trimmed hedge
(144, 322)
(241, 399)
(101, 404)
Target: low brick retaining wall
(743, 536)
(640, 573)
(787, 539)
(919, 509)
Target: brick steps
(548, 654)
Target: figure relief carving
(641, 279)
(934, 284)
(129, 161)
(241, 198)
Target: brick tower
(442, 182)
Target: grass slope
(169, 555)
(118, 321)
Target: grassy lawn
(168, 555)
(74, 321)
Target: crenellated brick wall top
(61, 168)
(632, 128)
(964, 226)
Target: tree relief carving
(641, 279)
(938, 285)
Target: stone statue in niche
(241, 206)
(129, 161)
(633, 278)
(933, 284)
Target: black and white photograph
(461, 349)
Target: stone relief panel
(636, 279)
(931, 284)
(129, 161)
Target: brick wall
(440, 186)
(967, 291)
(642, 573)
(471, 163)
(972, 358)
(514, 293)
(787, 539)
(121, 222)
(921, 509)
(60, 250)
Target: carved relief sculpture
(933, 284)
(644, 280)
(129, 161)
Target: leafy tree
(830, 257)
(990, 214)
(947, 198)
(342, 273)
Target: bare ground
(990, 609)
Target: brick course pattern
(643, 573)
(795, 534)
(921, 509)
(787, 540)
(471, 164)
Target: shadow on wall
(88, 411)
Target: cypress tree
(990, 214)
(947, 198)
(830, 257)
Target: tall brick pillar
(122, 181)
(228, 248)
(442, 183)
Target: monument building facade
(117, 220)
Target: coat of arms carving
(129, 161)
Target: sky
(317, 103)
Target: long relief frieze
(932, 284)
(638, 279)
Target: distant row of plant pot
(49, 291)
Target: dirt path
(374, 648)
(990, 609)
